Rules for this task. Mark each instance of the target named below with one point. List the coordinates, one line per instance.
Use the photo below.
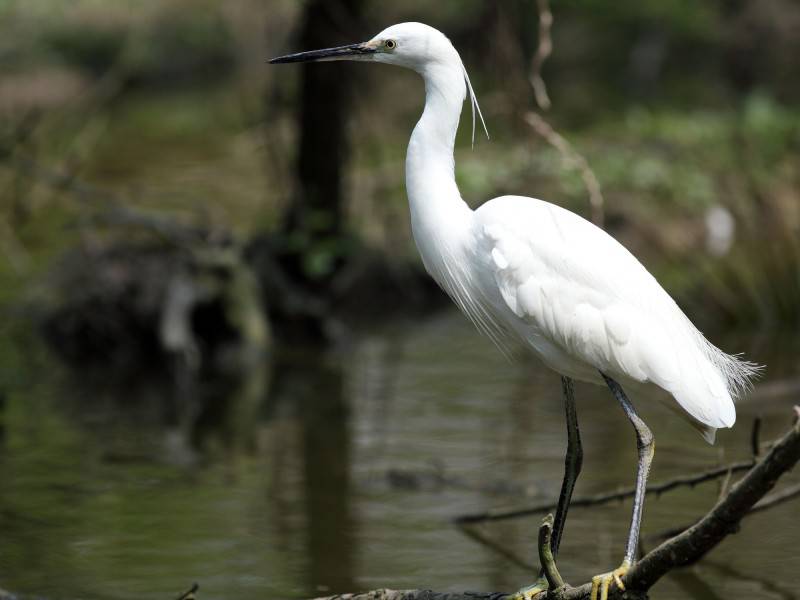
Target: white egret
(527, 271)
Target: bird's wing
(583, 291)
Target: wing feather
(584, 292)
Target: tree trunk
(317, 211)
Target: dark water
(340, 472)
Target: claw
(618, 580)
(602, 583)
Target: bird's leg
(646, 448)
(572, 464)
(572, 468)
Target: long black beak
(339, 53)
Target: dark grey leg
(646, 447)
(572, 468)
(572, 464)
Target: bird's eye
(390, 44)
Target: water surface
(340, 471)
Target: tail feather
(715, 380)
(738, 374)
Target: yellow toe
(596, 580)
(602, 583)
(618, 579)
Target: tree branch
(771, 501)
(689, 480)
(573, 159)
(687, 547)
(546, 557)
(543, 51)
(190, 593)
(691, 545)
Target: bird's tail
(713, 382)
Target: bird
(531, 274)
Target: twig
(656, 488)
(546, 559)
(724, 485)
(575, 160)
(691, 545)
(746, 497)
(773, 500)
(568, 154)
(764, 504)
(189, 594)
(543, 51)
(502, 550)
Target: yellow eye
(390, 44)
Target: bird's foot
(602, 583)
(532, 591)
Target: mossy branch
(546, 557)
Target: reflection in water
(194, 418)
(276, 483)
(763, 585)
(312, 389)
(695, 585)
(2, 420)
(227, 415)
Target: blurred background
(221, 361)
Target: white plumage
(524, 270)
(585, 305)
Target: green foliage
(95, 49)
(163, 44)
(663, 156)
(183, 47)
(678, 16)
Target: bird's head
(411, 45)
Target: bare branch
(190, 593)
(502, 550)
(692, 544)
(775, 499)
(745, 497)
(575, 160)
(568, 154)
(689, 480)
(543, 51)
(765, 503)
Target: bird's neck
(439, 216)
